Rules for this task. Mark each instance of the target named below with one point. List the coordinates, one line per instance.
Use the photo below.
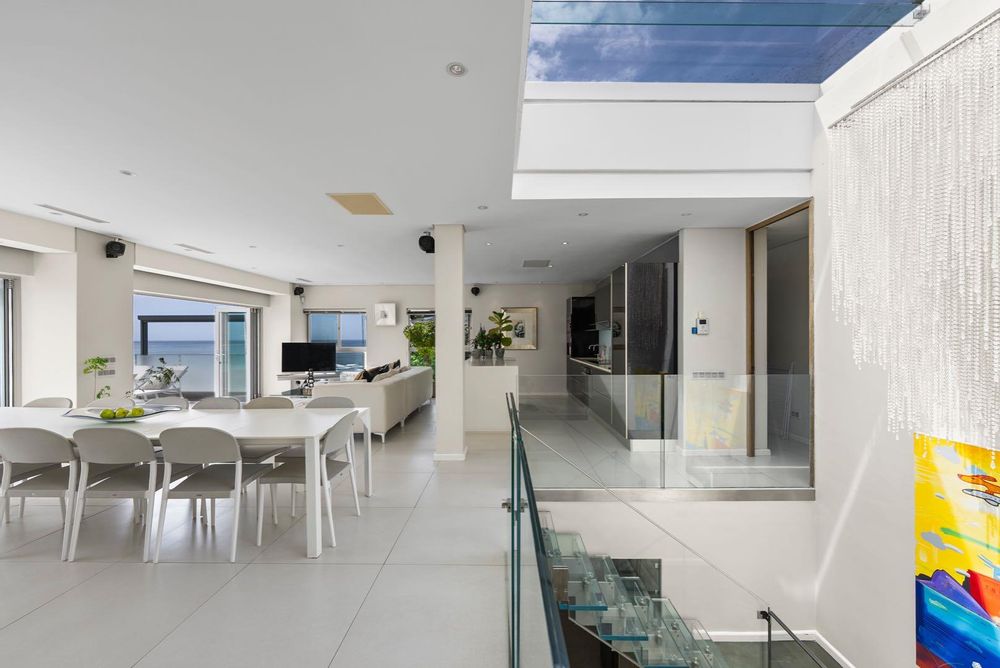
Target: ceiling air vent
(537, 264)
(195, 248)
(74, 214)
(361, 204)
(302, 280)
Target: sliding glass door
(232, 352)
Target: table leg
(369, 477)
(314, 527)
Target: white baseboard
(831, 650)
(451, 456)
(697, 452)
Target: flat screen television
(297, 357)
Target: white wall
(388, 343)
(713, 283)
(864, 474)
(592, 140)
(47, 331)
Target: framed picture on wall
(525, 332)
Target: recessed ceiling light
(482, 207)
(489, 243)
(361, 204)
(126, 172)
(457, 69)
(340, 245)
(686, 214)
(252, 246)
(565, 243)
(583, 213)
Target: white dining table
(269, 425)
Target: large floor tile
(40, 522)
(360, 540)
(393, 489)
(270, 615)
(26, 586)
(114, 618)
(450, 616)
(466, 490)
(442, 535)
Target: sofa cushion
(396, 364)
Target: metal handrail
(553, 622)
(769, 615)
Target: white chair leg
(329, 512)
(62, 508)
(147, 534)
(20, 511)
(236, 524)
(77, 521)
(5, 508)
(68, 496)
(212, 515)
(204, 510)
(163, 514)
(292, 486)
(260, 511)
(135, 512)
(194, 509)
(274, 504)
(354, 477)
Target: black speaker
(114, 249)
(298, 291)
(426, 243)
(476, 290)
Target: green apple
(138, 412)
(121, 412)
(107, 414)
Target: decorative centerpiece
(120, 414)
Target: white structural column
(449, 343)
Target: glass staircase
(634, 603)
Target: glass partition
(701, 431)
(603, 579)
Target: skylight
(734, 41)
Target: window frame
(338, 312)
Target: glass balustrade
(596, 579)
(709, 430)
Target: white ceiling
(237, 116)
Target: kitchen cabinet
(576, 381)
(602, 304)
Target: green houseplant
(93, 366)
(421, 338)
(480, 343)
(502, 324)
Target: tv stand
(304, 375)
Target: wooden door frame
(751, 379)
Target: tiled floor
(422, 563)
(599, 458)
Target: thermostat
(700, 326)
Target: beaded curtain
(915, 207)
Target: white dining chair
(169, 401)
(217, 403)
(224, 474)
(109, 402)
(292, 471)
(135, 477)
(330, 402)
(29, 445)
(19, 472)
(270, 402)
(50, 402)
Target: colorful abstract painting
(957, 501)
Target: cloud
(948, 453)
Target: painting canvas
(524, 336)
(385, 315)
(957, 502)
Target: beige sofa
(391, 400)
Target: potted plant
(93, 366)
(479, 344)
(159, 376)
(421, 338)
(501, 325)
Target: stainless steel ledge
(680, 494)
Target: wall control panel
(700, 326)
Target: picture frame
(525, 333)
(385, 314)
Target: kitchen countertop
(592, 363)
